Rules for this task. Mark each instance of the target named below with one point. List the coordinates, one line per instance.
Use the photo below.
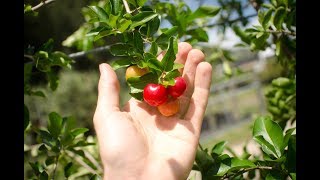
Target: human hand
(137, 142)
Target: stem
(93, 160)
(282, 32)
(200, 146)
(28, 56)
(231, 176)
(81, 162)
(41, 4)
(55, 167)
(126, 6)
(255, 5)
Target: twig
(126, 6)
(245, 170)
(29, 56)
(82, 53)
(93, 160)
(81, 162)
(255, 5)
(55, 167)
(282, 32)
(41, 4)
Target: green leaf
(141, 2)
(287, 137)
(281, 82)
(121, 63)
(162, 40)
(44, 176)
(53, 80)
(36, 167)
(172, 74)
(47, 138)
(95, 177)
(199, 34)
(274, 175)
(78, 131)
(168, 59)
(138, 42)
(279, 17)
(153, 26)
(142, 81)
(27, 72)
(50, 160)
(138, 96)
(154, 48)
(155, 64)
(237, 164)
(218, 148)
(226, 68)
(267, 132)
(55, 124)
(242, 34)
(177, 66)
(121, 50)
(48, 46)
(103, 33)
(115, 6)
(26, 117)
(100, 12)
(38, 93)
(107, 7)
(293, 176)
(291, 155)
(278, 47)
(203, 160)
(267, 18)
(204, 11)
(142, 18)
(113, 21)
(124, 24)
(69, 169)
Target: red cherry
(178, 88)
(155, 94)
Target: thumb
(108, 89)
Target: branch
(41, 4)
(83, 53)
(81, 162)
(55, 167)
(228, 22)
(93, 160)
(282, 32)
(29, 57)
(126, 6)
(255, 5)
(244, 171)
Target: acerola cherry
(169, 108)
(155, 94)
(135, 71)
(178, 88)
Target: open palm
(137, 142)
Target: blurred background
(235, 98)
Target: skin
(137, 142)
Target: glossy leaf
(121, 63)
(121, 50)
(69, 169)
(199, 34)
(53, 80)
(78, 131)
(267, 18)
(141, 82)
(154, 48)
(115, 6)
(142, 18)
(100, 12)
(287, 137)
(55, 124)
(168, 59)
(44, 176)
(204, 11)
(124, 24)
(269, 135)
(291, 155)
(218, 148)
(279, 17)
(138, 42)
(172, 74)
(163, 39)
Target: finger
(183, 49)
(194, 57)
(108, 90)
(199, 99)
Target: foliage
(133, 33)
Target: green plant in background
(132, 30)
